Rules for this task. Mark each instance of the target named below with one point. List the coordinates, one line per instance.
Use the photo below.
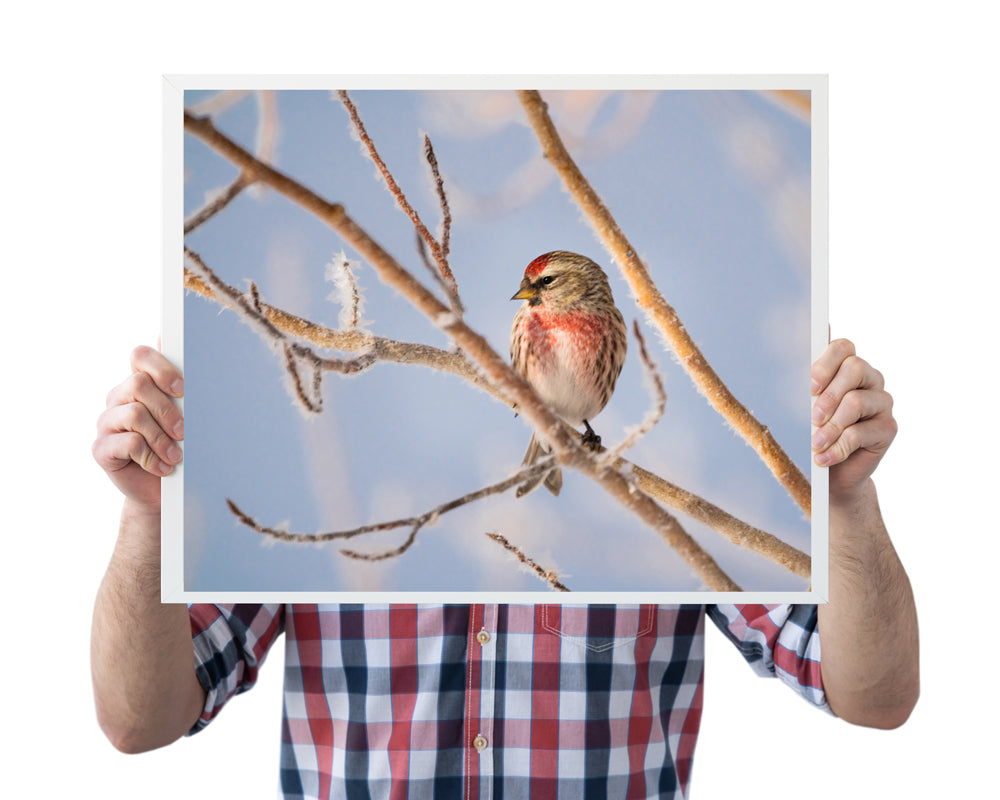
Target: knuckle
(833, 430)
(855, 367)
(853, 404)
(102, 422)
(827, 401)
(846, 444)
(97, 449)
(132, 414)
(140, 354)
(137, 383)
(842, 348)
(159, 441)
(140, 452)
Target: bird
(568, 340)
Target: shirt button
(479, 743)
(483, 636)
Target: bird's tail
(551, 479)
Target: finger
(853, 373)
(117, 451)
(164, 374)
(856, 405)
(140, 388)
(873, 436)
(136, 418)
(828, 364)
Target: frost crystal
(340, 272)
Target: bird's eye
(548, 279)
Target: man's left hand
(853, 418)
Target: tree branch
(251, 311)
(663, 316)
(216, 203)
(547, 575)
(414, 523)
(442, 199)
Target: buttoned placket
(480, 757)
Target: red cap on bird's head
(534, 269)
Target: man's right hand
(138, 432)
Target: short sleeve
(778, 641)
(230, 644)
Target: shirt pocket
(597, 628)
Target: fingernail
(815, 386)
(177, 387)
(179, 430)
(818, 440)
(174, 453)
(164, 469)
(818, 416)
(823, 458)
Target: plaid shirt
(492, 701)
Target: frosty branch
(415, 524)
(296, 356)
(547, 575)
(662, 315)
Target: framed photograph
(381, 290)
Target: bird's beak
(526, 292)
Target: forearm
(142, 659)
(868, 630)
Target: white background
(913, 282)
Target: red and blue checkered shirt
(492, 701)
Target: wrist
(853, 501)
(139, 532)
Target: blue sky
(713, 190)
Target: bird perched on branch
(568, 340)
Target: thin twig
(547, 575)
(255, 298)
(218, 201)
(664, 317)
(339, 273)
(415, 523)
(313, 404)
(442, 199)
(443, 275)
(654, 414)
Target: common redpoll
(568, 340)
